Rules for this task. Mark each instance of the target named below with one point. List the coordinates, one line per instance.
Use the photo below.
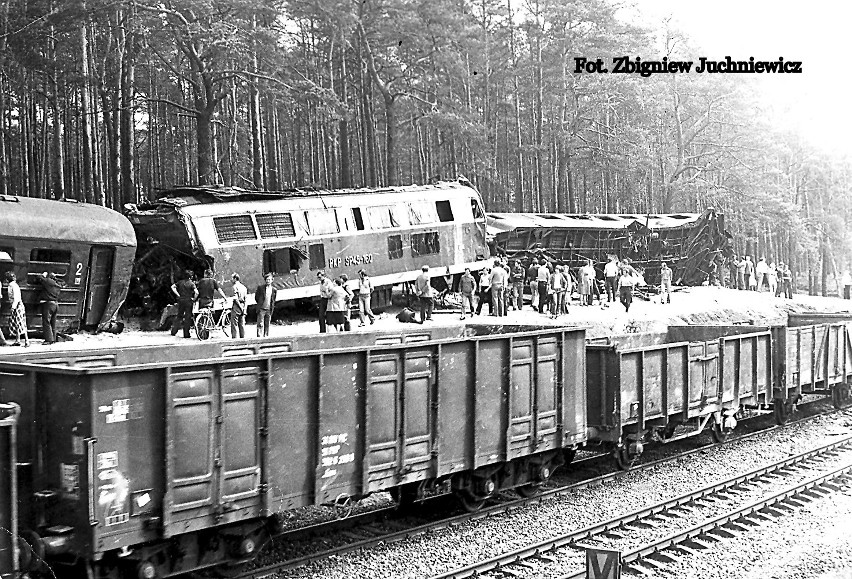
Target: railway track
(722, 509)
(384, 525)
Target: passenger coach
(88, 248)
(390, 232)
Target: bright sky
(816, 103)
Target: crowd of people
(335, 302)
(500, 287)
(745, 274)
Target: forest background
(106, 101)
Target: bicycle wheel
(225, 323)
(203, 324)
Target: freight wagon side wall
(131, 454)
(745, 360)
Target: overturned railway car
(89, 249)
(390, 232)
(156, 461)
(687, 242)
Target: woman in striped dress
(18, 315)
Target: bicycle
(207, 322)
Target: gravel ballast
(438, 552)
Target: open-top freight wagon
(161, 460)
(666, 386)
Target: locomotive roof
(509, 221)
(199, 195)
(30, 218)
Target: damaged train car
(390, 232)
(687, 242)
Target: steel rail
(589, 531)
(705, 527)
(267, 571)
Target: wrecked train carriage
(390, 232)
(686, 241)
(88, 248)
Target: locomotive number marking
(350, 260)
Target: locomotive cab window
(57, 261)
(283, 260)
(425, 243)
(445, 212)
(394, 247)
(476, 208)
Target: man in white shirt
(761, 269)
(498, 286)
(611, 274)
(542, 278)
(238, 308)
(423, 289)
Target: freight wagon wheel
(720, 434)
(568, 454)
(624, 458)
(528, 490)
(470, 502)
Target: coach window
(7, 260)
(445, 212)
(425, 243)
(476, 208)
(283, 260)
(394, 246)
(316, 256)
(57, 261)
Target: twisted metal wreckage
(687, 242)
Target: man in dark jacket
(48, 299)
(264, 297)
(186, 293)
(207, 288)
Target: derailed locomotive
(153, 461)
(390, 232)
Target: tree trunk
(127, 178)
